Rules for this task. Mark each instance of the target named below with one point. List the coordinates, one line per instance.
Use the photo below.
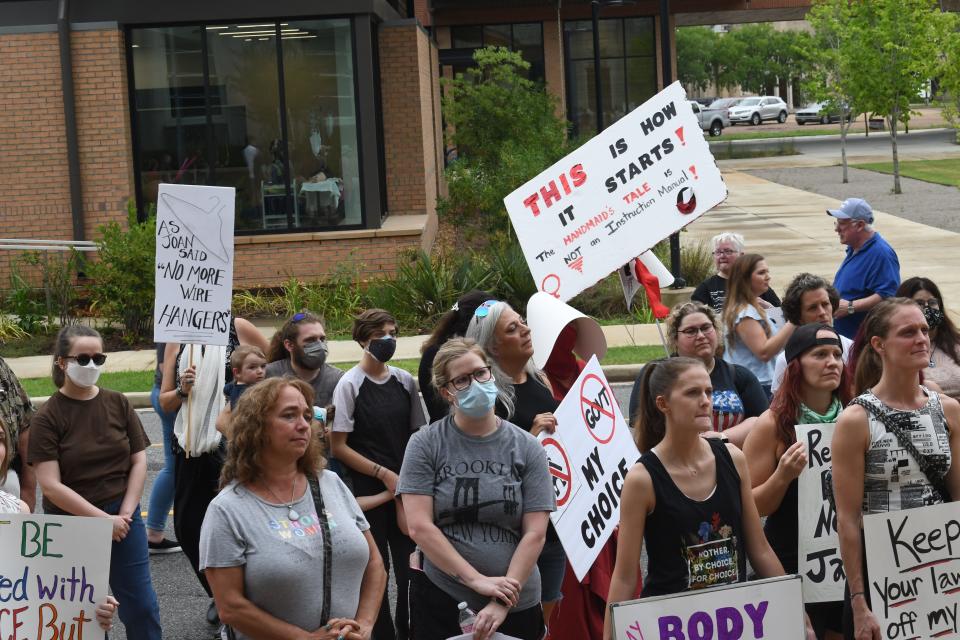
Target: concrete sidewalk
(788, 226)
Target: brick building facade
(350, 170)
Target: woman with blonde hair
(751, 339)
(285, 546)
(896, 447)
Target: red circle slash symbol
(596, 407)
(559, 466)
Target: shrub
(123, 274)
(24, 302)
(10, 330)
(57, 274)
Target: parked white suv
(758, 109)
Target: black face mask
(383, 348)
(934, 317)
(313, 355)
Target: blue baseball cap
(853, 209)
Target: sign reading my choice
(589, 456)
(770, 608)
(646, 176)
(53, 574)
(913, 566)
(194, 284)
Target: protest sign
(589, 456)
(547, 317)
(770, 608)
(194, 286)
(646, 176)
(818, 547)
(913, 564)
(53, 574)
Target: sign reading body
(194, 289)
(648, 175)
(818, 552)
(589, 456)
(913, 564)
(771, 608)
(53, 574)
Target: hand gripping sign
(589, 456)
(648, 175)
(771, 608)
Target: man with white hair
(727, 247)
(870, 271)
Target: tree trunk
(892, 121)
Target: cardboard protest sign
(913, 564)
(53, 574)
(770, 608)
(547, 317)
(589, 455)
(818, 548)
(194, 286)
(628, 275)
(648, 175)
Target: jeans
(552, 563)
(130, 580)
(161, 495)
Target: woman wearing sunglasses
(88, 448)
(477, 495)
(524, 397)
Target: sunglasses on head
(484, 310)
(84, 359)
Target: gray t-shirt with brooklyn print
(481, 488)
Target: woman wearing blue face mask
(377, 410)
(477, 495)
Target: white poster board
(194, 285)
(589, 456)
(818, 546)
(913, 563)
(770, 608)
(53, 574)
(646, 176)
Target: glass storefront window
(628, 73)
(275, 118)
(525, 38)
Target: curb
(613, 372)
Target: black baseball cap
(805, 338)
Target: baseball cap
(805, 338)
(853, 209)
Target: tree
(505, 130)
(828, 81)
(894, 49)
(696, 57)
(949, 73)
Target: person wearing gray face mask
(299, 349)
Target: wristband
(181, 393)
(850, 308)
(858, 593)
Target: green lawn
(143, 380)
(731, 133)
(945, 172)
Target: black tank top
(691, 544)
(530, 399)
(782, 526)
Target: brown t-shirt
(92, 440)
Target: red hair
(789, 396)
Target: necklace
(932, 364)
(292, 514)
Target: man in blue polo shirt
(869, 273)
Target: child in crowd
(9, 503)
(249, 367)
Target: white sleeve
(344, 399)
(779, 368)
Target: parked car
(724, 103)
(759, 109)
(712, 120)
(815, 112)
(704, 101)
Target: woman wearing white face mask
(378, 409)
(477, 495)
(88, 448)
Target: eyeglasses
(726, 252)
(483, 374)
(84, 359)
(931, 303)
(484, 310)
(692, 332)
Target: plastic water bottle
(467, 618)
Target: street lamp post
(595, 13)
(666, 66)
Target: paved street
(183, 603)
